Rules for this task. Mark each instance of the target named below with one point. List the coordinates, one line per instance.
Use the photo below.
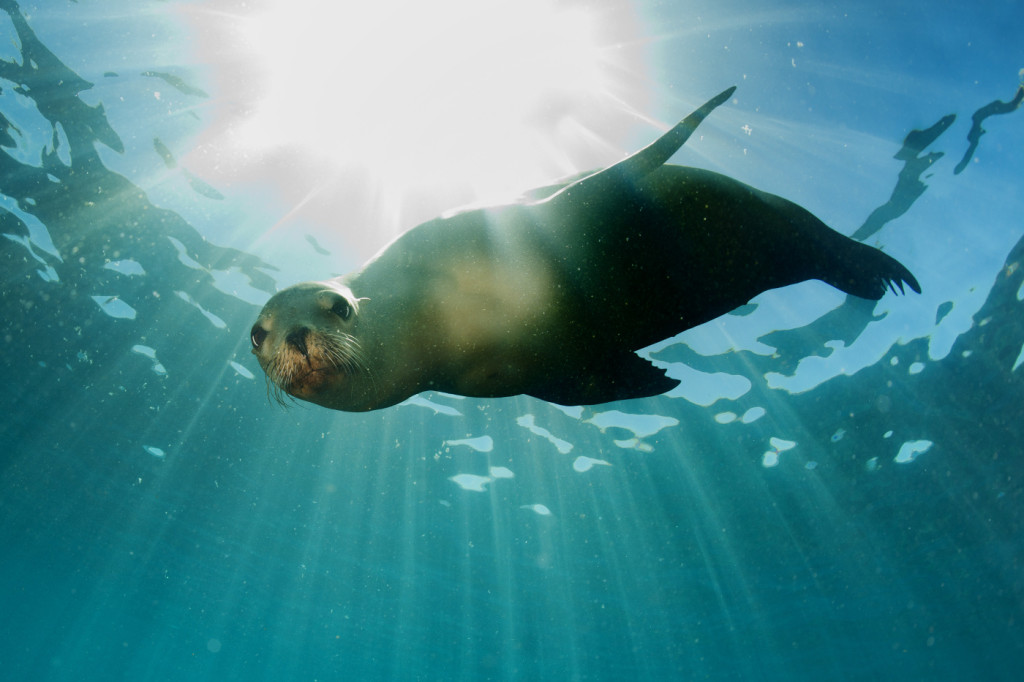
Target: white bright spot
(770, 459)
(471, 482)
(151, 354)
(887, 434)
(780, 444)
(125, 267)
(916, 368)
(438, 408)
(183, 256)
(642, 425)
(235, 283)
(753, 414)
(501, 472)
(155, 451)
(702, 388)
(527, 421)
(725, 417)
(634, 444)
(38, 235)
(481, 444)
(214, 320)
(574, 411)
(538, 508)
(115, 307)
(240, 369)
(144, 350)
(409, 89)
(911, 449)
(584, 463)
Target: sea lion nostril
(297, 338)
(258, 335)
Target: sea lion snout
(297, 339)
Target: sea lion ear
(355, 301)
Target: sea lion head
(305, 340)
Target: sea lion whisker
(335, 356)
(274, 389)
(342, 351)
(354, 360)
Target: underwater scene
(806, 462)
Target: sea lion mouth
(306, 385)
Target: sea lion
(551, 296)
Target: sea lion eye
(342, 309)
(258, 335)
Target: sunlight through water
(827, 464)
(474, 93)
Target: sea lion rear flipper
(866, 272)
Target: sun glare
(464, 91)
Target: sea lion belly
(494, 317)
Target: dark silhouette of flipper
(616, 376)
(864, 271)
(650, 158)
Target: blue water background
(836, 496)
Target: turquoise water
(832, 494)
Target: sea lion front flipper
(650, 158)
(623, 376)
(661, 150)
